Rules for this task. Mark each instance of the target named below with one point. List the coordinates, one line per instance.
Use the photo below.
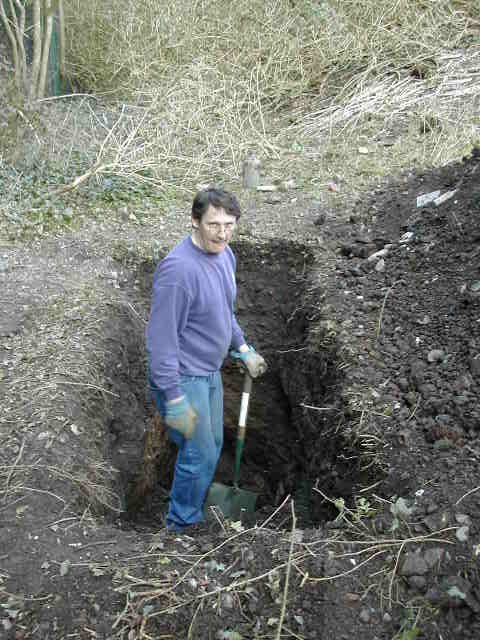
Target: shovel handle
(247, 389)
(242, 424)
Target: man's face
(214, 231)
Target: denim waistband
(210, 377)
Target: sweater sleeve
(237, 334)
(168, 317)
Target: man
(192, 326)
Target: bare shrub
(131, 46)
(193, 86)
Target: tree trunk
(13, 43)
(20, 32)
(61, 21)
(37, 49)
(47, 37)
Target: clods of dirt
(374, 338)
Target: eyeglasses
(214, 227)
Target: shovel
(233, 500)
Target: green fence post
(55, 81)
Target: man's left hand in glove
(253, 361)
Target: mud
(276, 306)
(368, 418)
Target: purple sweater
(192, 322)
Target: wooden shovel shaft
(242, 424)
(242, 420)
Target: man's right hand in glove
(180, 416)
(253, 361)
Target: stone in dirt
(444, 197)
(436, 355)
(426, 198)
(413, 564)
(417, 582)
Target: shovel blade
(230, 500)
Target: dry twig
(287, 574)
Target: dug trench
(293, 444)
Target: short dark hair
(217, 198)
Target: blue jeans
(197, 458)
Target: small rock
(456, 590)
(356, 271)
(436, 355)
(286, 185)
(426, 198)
(387, 617)
(443, 444)
(464, 519)
(333, 186)
(413, 565)
(403, 437)
(367, 266)
(400, 509)
(227, 600)
(417, 582)
(345, 249)
(434, 595)
(417, 372)
(462, 534)
(365, 616)
(377, 255)
(65, 567)
(411, 399)
(363, 150)
(362, 250)
(459, 593)
(434, 556)
(6, 624)
(406, 237)
(444, 197)
(320, 219)
(332, 568)
(352, 597)
(432, 507)
(437, 521)
(10, 327)
(273, 198)
(475, 365)
(380, 266)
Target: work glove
(253, 361)
(181, 417)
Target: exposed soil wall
(372, 399)
(291, 439)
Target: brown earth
(371, 396)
